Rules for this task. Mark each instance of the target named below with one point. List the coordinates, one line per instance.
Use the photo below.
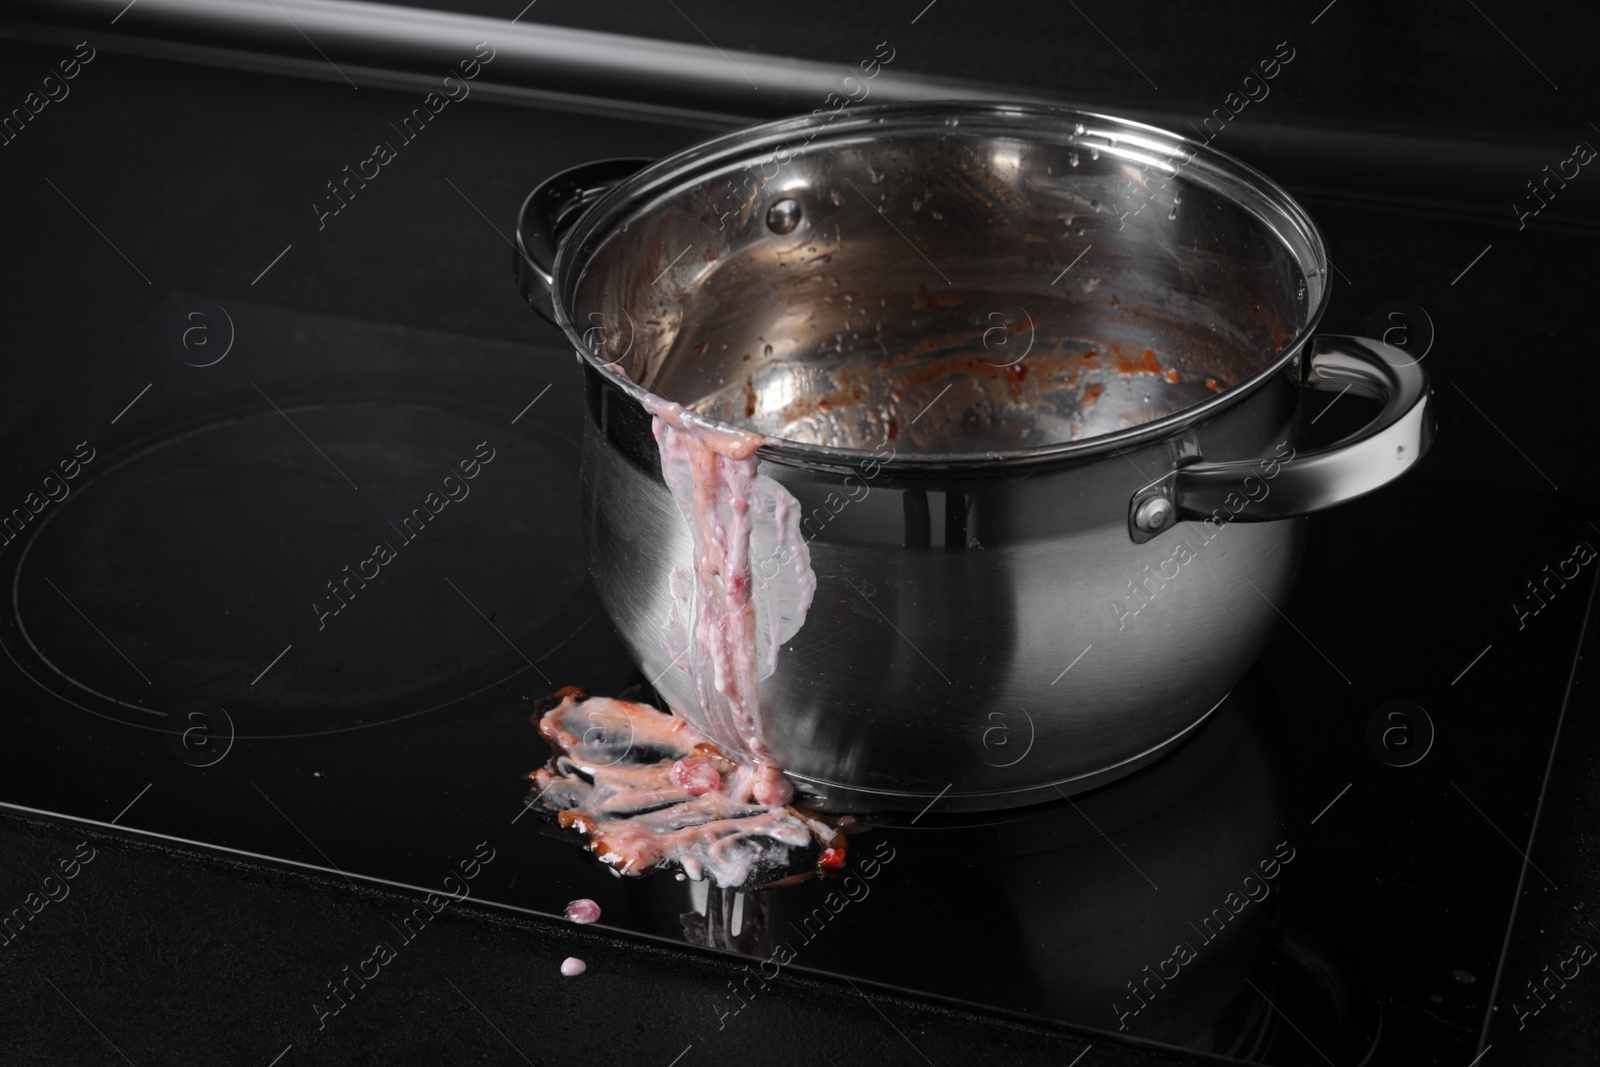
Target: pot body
(993, 640)
(1031, 379)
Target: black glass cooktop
(290, 584)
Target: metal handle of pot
(548, 213)
(1289, 483)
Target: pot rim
(754, 144)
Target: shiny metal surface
(1368, 459)
(546, 215)
(1067, 290)
(990, 331)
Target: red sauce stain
(1215, 386)
(1091, 393)
(700, 349)
(1281, 339)
(897, 360)
(544, 704)
(1143, 364)
(894, 429)
(942, 300)
(1018, 371)
(831, 859)
(1172, 375)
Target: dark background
(1442, 64)
(201, 175)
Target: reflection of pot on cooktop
(237, 563)
(1150, 905)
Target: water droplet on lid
(1173, 213)
(1094, 153)
(936, 215)
(767, 351)
(837, 197)
(1072, 157)
(1079, 130)
(1095, 204)
(783, 216)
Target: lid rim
(749, 142)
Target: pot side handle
(548, 213)
(1290, 484)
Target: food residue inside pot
(961, 390)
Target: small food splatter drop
(572, 966)
(831, 859)
(583, 910)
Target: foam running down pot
(1028, 379)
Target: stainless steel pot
(1034, 377)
